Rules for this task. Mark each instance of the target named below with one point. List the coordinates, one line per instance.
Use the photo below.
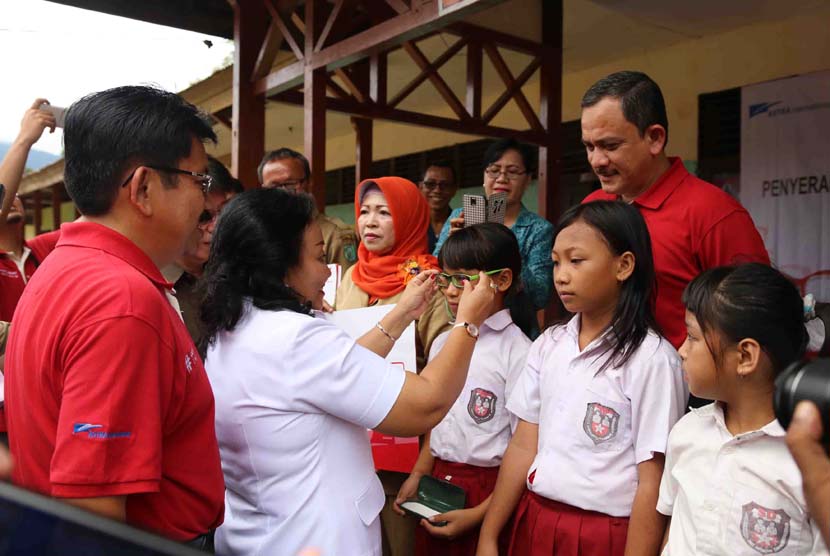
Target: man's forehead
(439, 171)
(288, 168)
(605, 118)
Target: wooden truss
(340, 50)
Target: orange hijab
(382, 276)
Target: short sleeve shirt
(115, 400)
(694, 226)
(478, 427)
(596, 425)
(294, 397)
(738, 495)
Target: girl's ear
(749, 357)
(504, 279)
(625, 266)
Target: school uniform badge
(482, 405)
(600, 422)
(766, 531)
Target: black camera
(804, 380)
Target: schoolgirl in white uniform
(730, 484)
(596, 401)
(295, 395)
(466, 447)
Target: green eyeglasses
(444, 280)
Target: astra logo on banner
(761, 108)
(768, 108)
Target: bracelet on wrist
(380, 327)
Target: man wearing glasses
(185, 272)
(113, 411)
(438, 187)
(287, 169)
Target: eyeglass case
(435, 496)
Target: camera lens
(804, 380)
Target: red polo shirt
(694, 226)
(12, 280)
(114, 400)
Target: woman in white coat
(295, 395)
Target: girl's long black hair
(749, 301)
(258, 238)
(490, 247)
(623, 229)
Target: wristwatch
(471, 329)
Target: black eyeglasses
(441, 185)
(204, 180)
(512, 174)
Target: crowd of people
(166, 362)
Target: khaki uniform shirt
(432, 323)
(4, 334)
(340, 241)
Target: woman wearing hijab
(392, 217)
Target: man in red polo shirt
(113, 411)
(694, 225)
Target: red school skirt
(543, 527)
(478, 483)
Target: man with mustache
(694, 225)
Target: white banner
(357, 322)
(785, 174)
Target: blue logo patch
(761, 108)
(92, 432)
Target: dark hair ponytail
(489, 247)
(749, 301)
(258, 238)
(623, 229)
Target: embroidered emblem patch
(482, 405)
(600, 422)
(350, 252)
(766, 531)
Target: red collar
(97, 236)
(665, 185)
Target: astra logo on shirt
(93, 431)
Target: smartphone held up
(58, 112)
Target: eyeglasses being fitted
(444, 280)
(511, 174)
(204, 180)
(440, 185)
